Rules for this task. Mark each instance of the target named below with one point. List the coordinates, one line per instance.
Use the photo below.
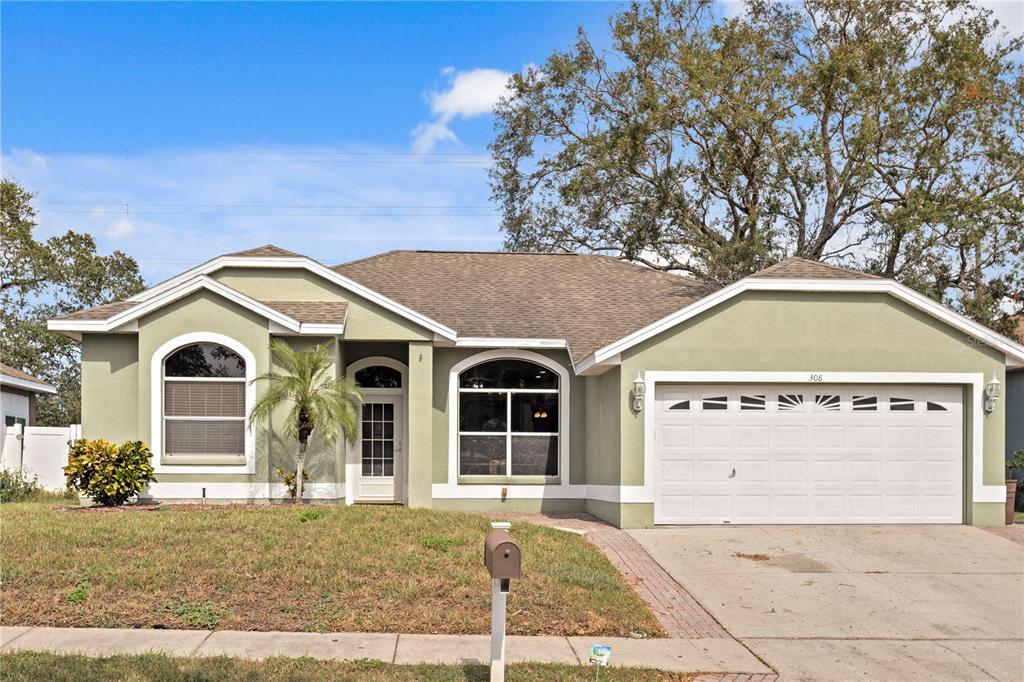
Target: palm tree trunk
(299, 472)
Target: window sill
(214, 460)
(509, 480)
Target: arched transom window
(204, 404)
(508, 419)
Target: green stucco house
(805, 393)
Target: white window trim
(156, 406)
(353, 453)
(564, 410)
(979, 491)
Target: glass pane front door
(378, 439)
(380, 448)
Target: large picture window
(508, 419)
(204, 404)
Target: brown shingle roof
(801, 268)
(590, 301)
(102, 312)
(265, 251)
(312, 312)
(7, 370)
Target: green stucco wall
(420, 423)
(603, 437)
(110, 379)
(814, 332)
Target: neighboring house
(500, 381)
(18, 391)
(1015, 404)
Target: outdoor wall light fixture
(992, 392)
(638, 392)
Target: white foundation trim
(606, 493)
(453, 409)
(156, 405)
(240, 491)
(979, 491)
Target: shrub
(1015, 462)
(15, 486)
(108, 473)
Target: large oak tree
(43, 279)
(887, 136)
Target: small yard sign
(600, 655)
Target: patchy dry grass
(340, 569)
(33, 667)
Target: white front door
(379, 452)
(794, 454)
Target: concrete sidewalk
(677, 655)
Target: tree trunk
(299, 472)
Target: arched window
(379, 376)
(204, 404)
(508, 419)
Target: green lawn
(323, 568)
(33, 667)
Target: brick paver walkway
(677, 611)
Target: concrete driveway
(858, 602)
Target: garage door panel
(864, 436)
(790, 436)
(677, 436)
(785, 454)
(754, 470)
(714, 436)
(827, 436)
(677, 471)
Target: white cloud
(186, 206)
(469, 93)
(122, 227)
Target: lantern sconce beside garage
(638, 392)
(992, 393)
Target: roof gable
(265, 251)
(802, 268)
(290, 316)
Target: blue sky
(223, 126)
(178, 131)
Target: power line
(130, 204)
(272, 213)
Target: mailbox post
(504, 562)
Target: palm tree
(319, 401)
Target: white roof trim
(1014, 351)
(507, 342)
(306, 264)
(34, 386)
(169, 295)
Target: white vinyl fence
(40, 451)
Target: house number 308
(816, 378)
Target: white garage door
(799, 454)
